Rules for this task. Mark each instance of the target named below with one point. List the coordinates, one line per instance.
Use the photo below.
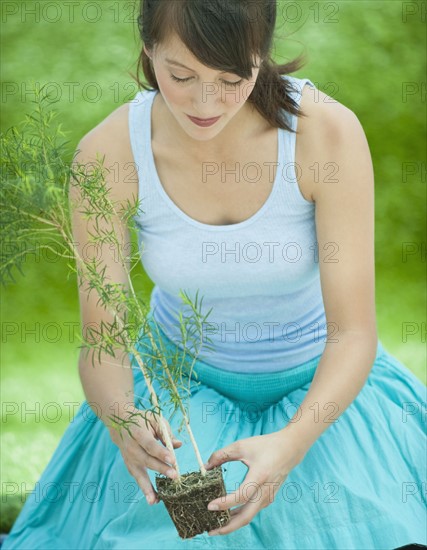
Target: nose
(206, 100)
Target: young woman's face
(201, 92)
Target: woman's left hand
(270, 458)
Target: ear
(148, 53)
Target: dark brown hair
(226, 35)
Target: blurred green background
(369, 55)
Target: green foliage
(33, 190)
(40, 197)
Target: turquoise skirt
(361, 485)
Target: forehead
(174, 52)
(173, 47)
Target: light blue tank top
(260, 276)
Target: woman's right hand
(140, 451)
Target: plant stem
(181, 407)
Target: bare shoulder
(325, 135)
(111, 133)
(110, 140)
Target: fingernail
(213, 507)
(150, 499)
(171, 472)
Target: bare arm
(344, 221)
(108, 382)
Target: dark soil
(187, 502)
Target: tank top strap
(297, 86)
(291, 193)
(138, 122)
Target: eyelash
(182, 80)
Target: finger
(152, 448)
(235, 511)
(241, 517)
(147, 488)
(158, 429)
(229, 453)
(160, 467)
(250, 490)
(175, 442)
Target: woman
(321, 428)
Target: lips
(204, 122)
(204, 119)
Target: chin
(200, 134)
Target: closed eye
(182, 80)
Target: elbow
(363, 339)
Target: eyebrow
(173, 62)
